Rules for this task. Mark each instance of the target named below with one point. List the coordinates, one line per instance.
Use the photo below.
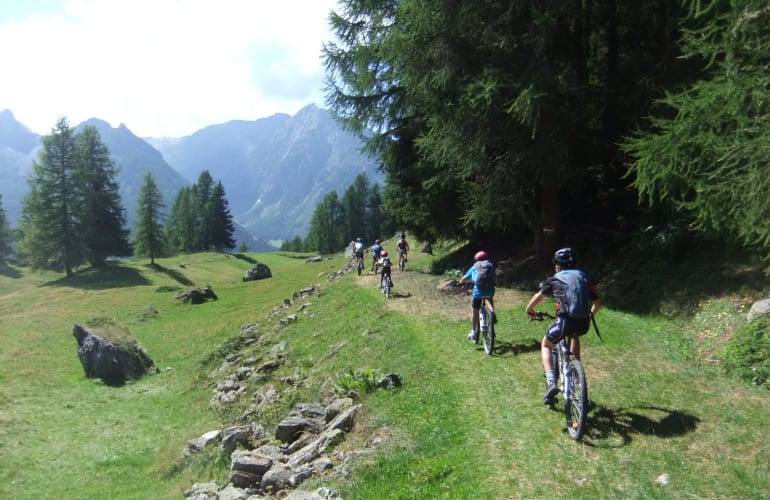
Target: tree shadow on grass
(173, 274)
(240, 256)
(10, 272)
(613, 428)
(113, 275)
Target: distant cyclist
(403, 247)
(478, 275)
(358, 251)
(376, 249)
(386, 267)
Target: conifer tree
(149, 238)
(325, 233)
(202, 211)
(5, 235)
(100, 212)
(52, 234)
(220, 220)
(180, 227)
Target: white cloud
(163, 67)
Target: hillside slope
(463, 425)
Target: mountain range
(274, 170)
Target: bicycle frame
(487, 326)
(575, 391)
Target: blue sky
(161, 67)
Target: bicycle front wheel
(576, 400)
(488, 332)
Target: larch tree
(149, 240)
(52, 233)
(707, 151)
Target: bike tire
(576, 401)
(359, 267)
(386, 287)
(401, 262)
(488, 333)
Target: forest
(585, 122)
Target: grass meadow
(463, 425)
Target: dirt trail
(418, 292)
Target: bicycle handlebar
(541, 315)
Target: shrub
(747, 355)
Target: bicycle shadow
(502, 348)
(616, 427)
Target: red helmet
(384, 253)
(481, 255)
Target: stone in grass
(107, 352)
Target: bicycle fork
(562, 350)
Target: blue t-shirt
(471, 274)
(376, 249)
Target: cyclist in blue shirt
(478, 293)
(376, 249)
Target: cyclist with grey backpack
(482, 274)
(576, 303)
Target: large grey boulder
(758, 309)
(258, 272)
(114, 364)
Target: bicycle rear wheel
(487, 319)
(401, 262)
(386, 286)
(576, 400)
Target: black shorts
(564, 325)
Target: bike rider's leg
(475, 307)
(492, 306)
(550, 339)
(574, 347)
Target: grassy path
(464, 424)
(476, 428)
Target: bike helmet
(384, 253)
(403, 236)
(359, 240)
(377, 241)
(565, 257)
(481, 255)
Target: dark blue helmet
(565, 257)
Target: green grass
(463, 425)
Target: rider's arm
(596, 306)
(534, 301)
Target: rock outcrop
(114, 364)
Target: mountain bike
(487, 325)
(359, 264)
(401, 261)
(376, 264)
(385, 285)
(572, 383)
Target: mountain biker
(564, 259)
(478, 293)
(402, 246)
(386, 267)
(376, 249)
(358, 250)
